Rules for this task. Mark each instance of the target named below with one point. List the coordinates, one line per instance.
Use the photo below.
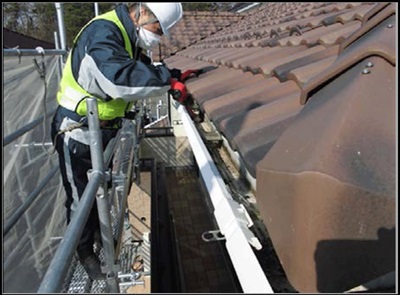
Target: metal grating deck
(77, 280)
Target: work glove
(176, 74)
(189, 74)
(182, 77)
(178, 91)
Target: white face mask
(148, 39)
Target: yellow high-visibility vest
(73, 97)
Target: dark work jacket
(103, 67)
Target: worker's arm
(105, 69)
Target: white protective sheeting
(29, 245)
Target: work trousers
(74, 156)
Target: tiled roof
(16, 40)
(305, 93)
(193, 27)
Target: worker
(108, 61)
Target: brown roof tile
(180, 62)
(357, 13)
(210, 79)
(228, 104)
(339, 150)
(271, 56)
(282, 71)
(219, 55)
(297, 63)
(379, 8)
(316, 21)
(231, 80)
(267, 68)
(261, 110)
(245, 62)
(288, 101)
(302, 75)
(337, 36)
(193, 27)
(378, 41)
(371, 21)
(311, 37)
(233, 54)
(254, 145)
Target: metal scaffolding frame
(232, 218)
(126, 140)
(95, 189)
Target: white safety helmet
(168, 14)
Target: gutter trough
(232, 218)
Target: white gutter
(232, 218)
